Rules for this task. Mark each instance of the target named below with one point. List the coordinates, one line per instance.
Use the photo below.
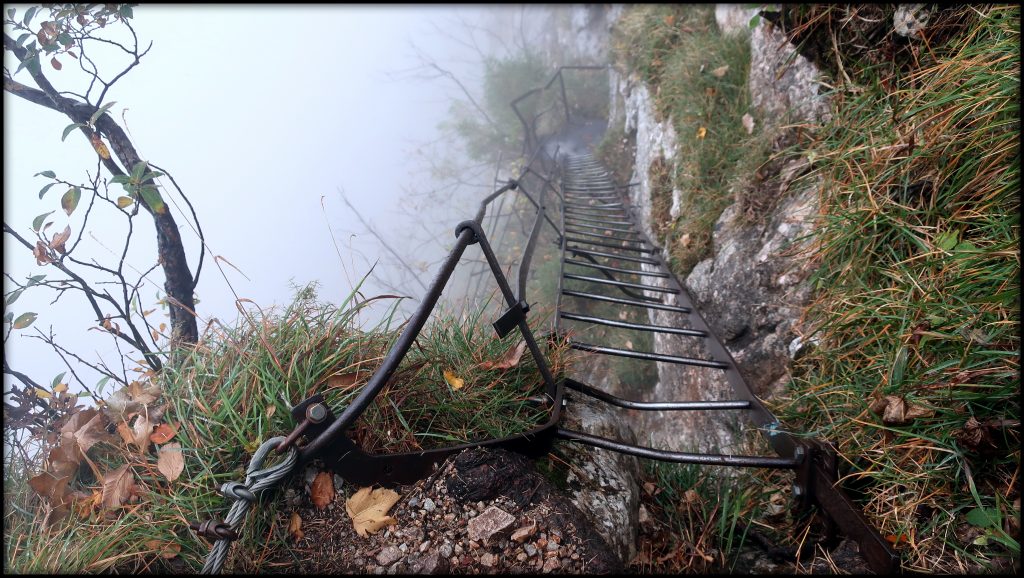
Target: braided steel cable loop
(257, 479)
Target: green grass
(916, 292)
(233, 392)
(918, 297)
(698, 79)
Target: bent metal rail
(583, 198)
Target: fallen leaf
(368, 509)
(896, 411)
(345, 380)
(64, 459)
(720, 71)
(163, 433)
(702, 132)
(509, 360)
(295, 527)
(117, 485)
(88, 427)
(165, 549)
(453, 380)
(170, 461)
(141, 430)
(748, 123)
(50, 487)
(322, 490)
(126, 433)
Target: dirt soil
(547, 533)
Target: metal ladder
(603, 248)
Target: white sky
(261, 113)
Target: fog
(264, 116)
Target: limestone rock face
(783, 85)
(752, 289)
(608, 493)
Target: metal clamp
(214, 530)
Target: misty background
(268, 118)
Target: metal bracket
(817, 482)
(511, 318)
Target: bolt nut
(316, 412)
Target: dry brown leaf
(369, 509)
(507, 361)
(345, 380)
(170, 461)
(322, 490)
(295, 527)
(42, 257)
(163, 433)
(54, 489)
(896, 411)
(140, 432)
(702, 132)
(117, 486)
(165, 549)
(126, 433)
(58, 241)
(65, 458)
(87, 427)
(453, 380)
(720, 71)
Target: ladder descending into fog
(604, 251)
(606, 258)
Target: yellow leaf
(166, 549)
(702, 132)
(123, 202)
(322, 490)
(369, 509)
(46, 395)
(170, 462)
(295, 527)
(453, 380)
(97, 143)
(61, 388)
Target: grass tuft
(233, 392)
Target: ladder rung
(621, 301)
(655, 405)
(679, 457)
(630, 231)
(615, 269)
(641, 286)
(579, 251)
(582, 220)
(648, 356)
(608, 206)
(605, 237)
(610, 245)
(637, 326)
